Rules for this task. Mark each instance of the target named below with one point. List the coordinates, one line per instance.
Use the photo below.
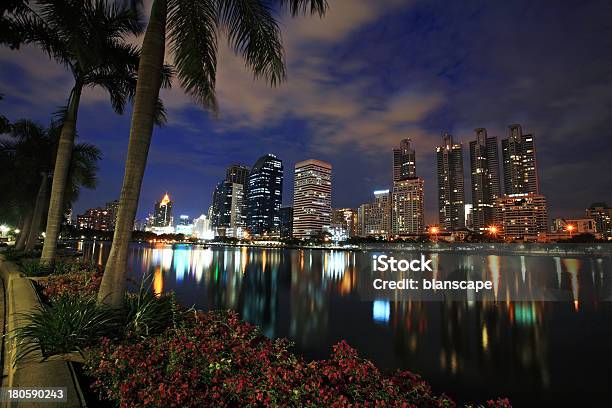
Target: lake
(534, 352)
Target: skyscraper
(228, 218)
(408, 207)
(264, 196)
(520, 164)
(484, 166)
(347, 218)
(286, 226)
(163, 212)
(404, 161)
(375, 218)
(237, 173)
(451, 194)
(311, 198)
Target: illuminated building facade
(237, 173)
(312, 190)
(375, 218)
(404, 161)
(264, 193)
(451, 193)
(484, 166)
(408, 207)
(520, 164)
(347, 218)
(602, 214)
(163, 212)
(228, 218)
(99, 219)
(286, 219)
(522, 216)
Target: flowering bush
(72, 283)
(215, 359)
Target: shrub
(69, 324)
(146, 314)
(74, 284)
(214, 359)
(36, 268)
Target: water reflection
(472, 349)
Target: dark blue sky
(359, 81)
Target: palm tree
(191, 27)
(27, 159)
(88, 38)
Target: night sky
(360, 80)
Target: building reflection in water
(312, 297)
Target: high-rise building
(408, 207)
(311, 198)
(602, 214)
(286, 219)
(237, 173)
(347, 218)
(451, 194)
(184, 225)
(363, 213)
(520, 164)
(375, 218)
(163, 212)
(404, 161)
(100, 219)
(202, 228)
(228, 218)
(522, 216)
(484, 166)
(264, 196)
(97, 219)
(113, 209)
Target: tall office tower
(522, 216)
(112, 208)
(408, 207)
(347, 219)
(264, 196)
(451, 194)
(312, 190)
(286, 225)
(363, 215)
(237, 173)
(520, 164)
(602, 214)
(484, 166)
(404, 161)
(163, 212)
(228, 218)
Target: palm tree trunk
(39, 209)
(24, 231)
(60, 176)
(113, 286)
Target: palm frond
(193, 40)
(254, 34)
(305, 6)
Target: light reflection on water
(472, 350)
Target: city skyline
(341, 108)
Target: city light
(493, 230)
(434, 230)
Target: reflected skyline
(473, 349)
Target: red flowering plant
(215, 359)
(81, 280)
